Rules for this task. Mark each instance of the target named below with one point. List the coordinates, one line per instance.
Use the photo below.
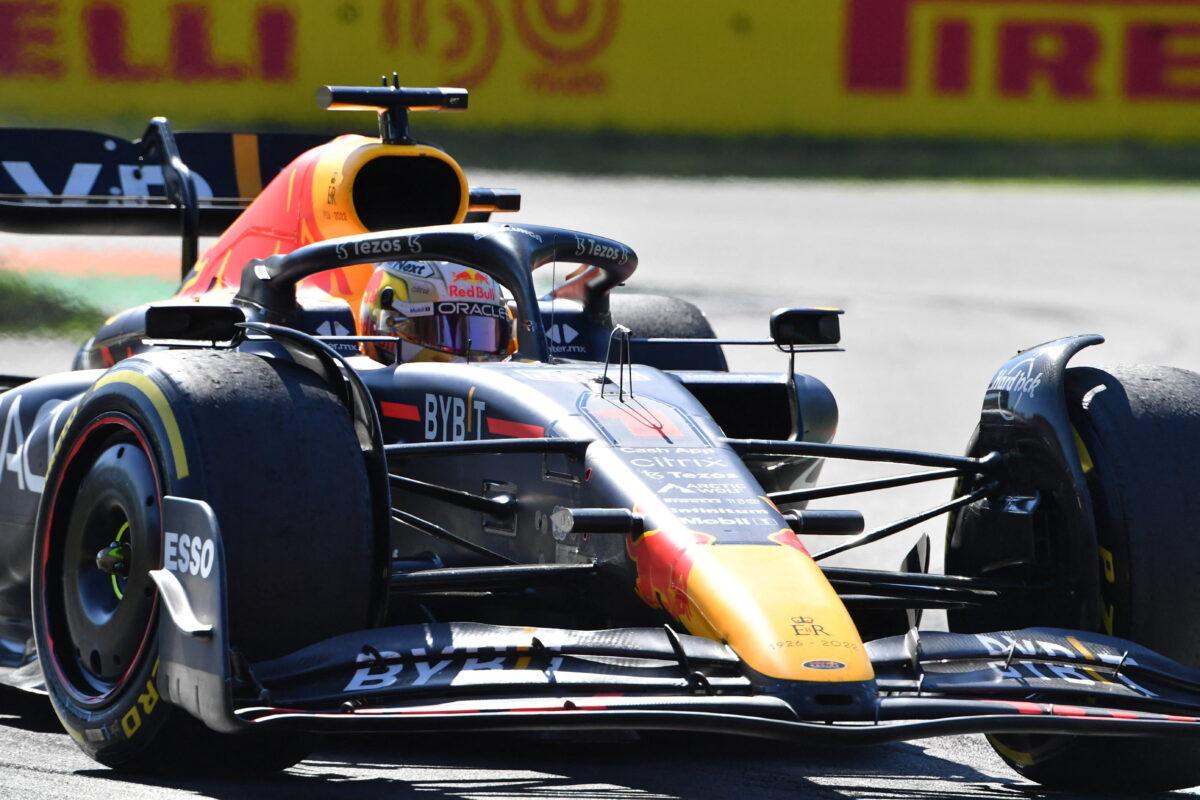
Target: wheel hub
(114, 559)
(109, 544)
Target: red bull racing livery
(246, 512)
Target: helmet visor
(458, 327)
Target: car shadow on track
(585, 767)
(498, 766)
(27, 712)
(619, 766)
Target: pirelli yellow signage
(984, 68)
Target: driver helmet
(439, 311)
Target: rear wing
(82, 182)
(193, 184)
(72, 181)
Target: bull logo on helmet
(478, 286)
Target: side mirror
(211, 323)
(806, 326)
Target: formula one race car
(228, 524)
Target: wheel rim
(102, 539)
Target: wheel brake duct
(1025, 411)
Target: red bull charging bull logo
(472, 285)
(664, 559)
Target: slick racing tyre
(1139, 442)
(656, 316)
(272, 451)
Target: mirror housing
(792, 327)
(194, 321)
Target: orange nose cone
(771, 603)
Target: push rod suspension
(890, 601)
(910, 591)
(438, 532)
(961, 582)
(907, 522)
(759, 449)
(857, 487)
(502, 506)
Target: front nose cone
(771, 603)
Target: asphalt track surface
(941, 283)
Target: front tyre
(654, 316)
(1138, 437)
(272, 451)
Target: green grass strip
(108, 293)
(27, 306)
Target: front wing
(470, 676)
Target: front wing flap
(929, 684)
(471, 658)
(467, 676)
(1042, 663)
(470, 676)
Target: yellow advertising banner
(1062, 69)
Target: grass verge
(27, 306)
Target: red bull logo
(664, 560)
(478, 286)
